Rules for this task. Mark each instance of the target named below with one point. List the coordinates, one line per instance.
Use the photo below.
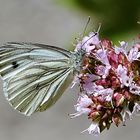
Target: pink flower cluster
(109, 82)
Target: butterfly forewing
(34, 75)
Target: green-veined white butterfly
(35, 75)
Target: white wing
(34, 75)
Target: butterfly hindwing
(34, 75)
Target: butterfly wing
(34, 75)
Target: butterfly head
(84, 48)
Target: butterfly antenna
(89, 39)
(81, 35)
(95, 33)
(99, 27)
(85, 28)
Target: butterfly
(36, 75)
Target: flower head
(109, 82)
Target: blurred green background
(119, 18)
(58, 22)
